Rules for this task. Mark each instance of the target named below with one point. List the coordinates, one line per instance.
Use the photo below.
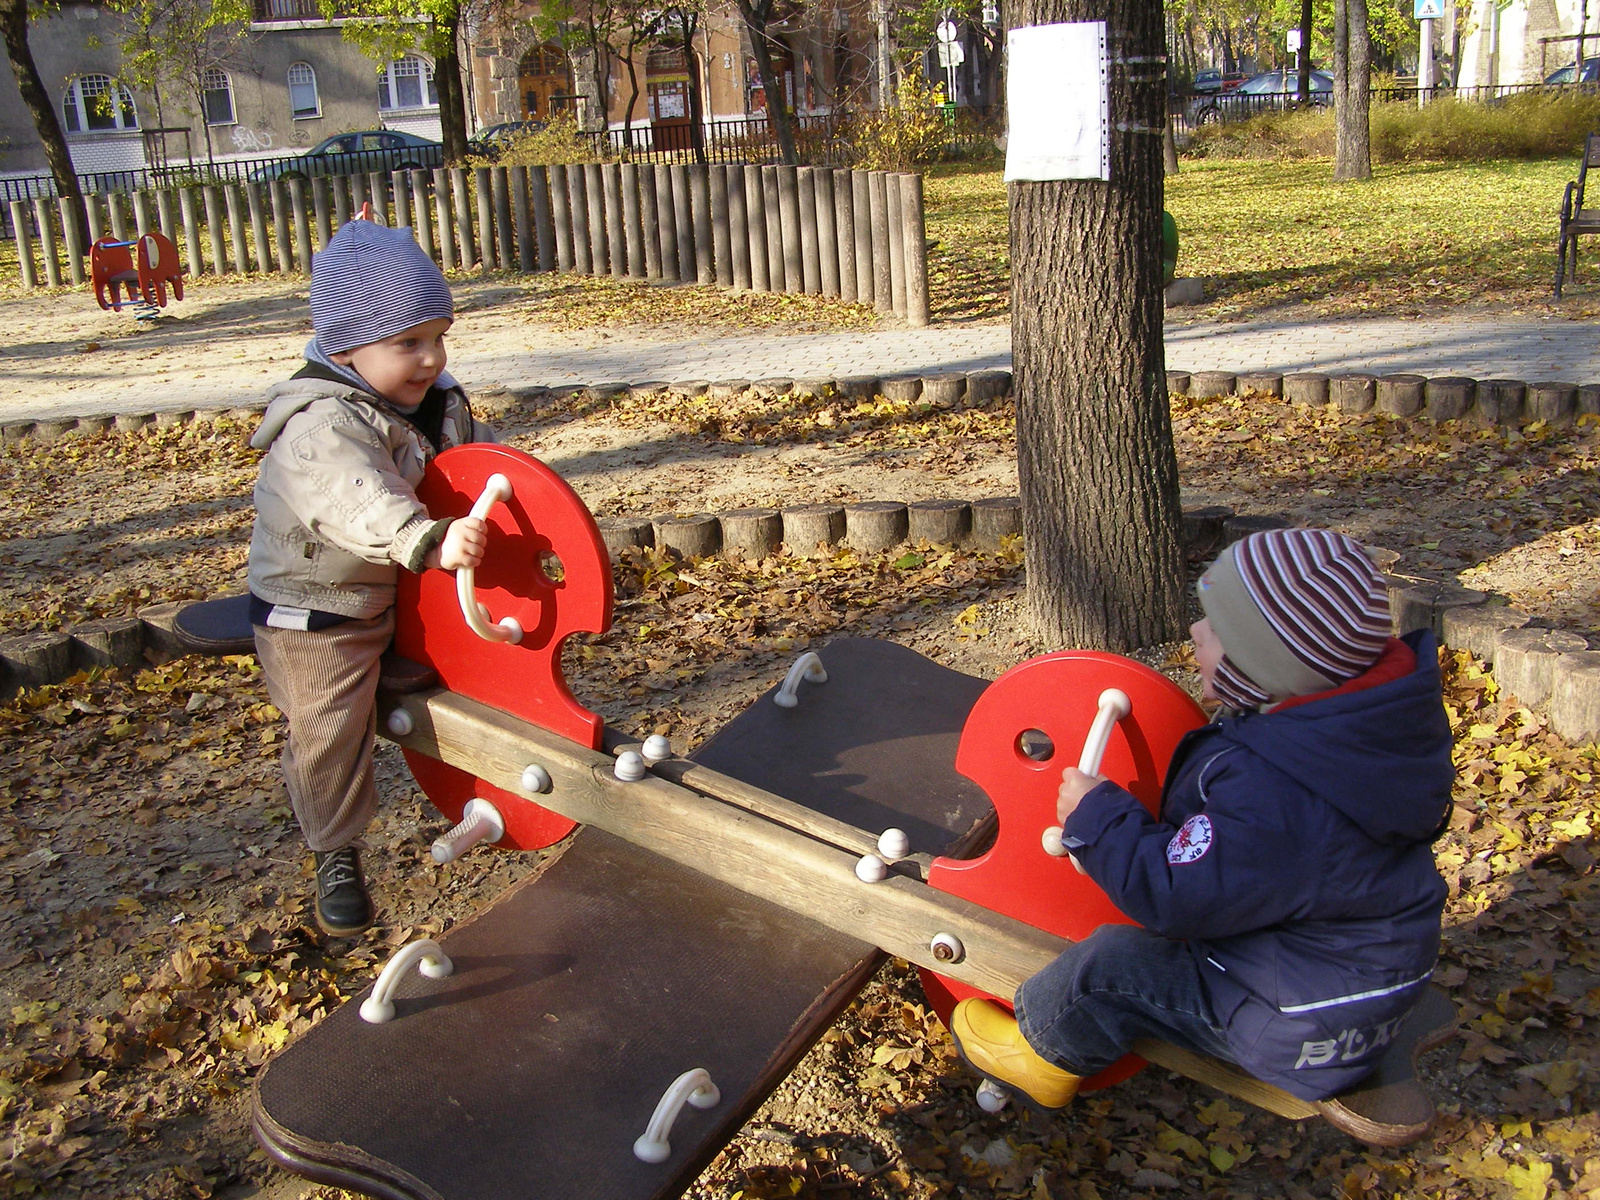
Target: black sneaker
(343, 906)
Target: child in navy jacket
(1289, 903)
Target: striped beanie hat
(1297, 611)
(371, 282)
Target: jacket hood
(1396, 783)
(315, 383)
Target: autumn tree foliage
(15, 15)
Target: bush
(910, 135)
(560, 141)
(1527, 125)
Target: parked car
(1210, 80)
(492, 141)
(1591, 72)
(1269, 90)
(354, 153)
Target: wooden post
(616, 223)
(378, 195)
(721, 233)
(441, 212)
(401, 187)
(166, 213)
(897, 244)
(700, 201)
(667, 203)
(19, 230)
(74, 240)
(47, 240)
(214, 231)
(258, 226)
(794, 271)
(916, 249)
(466, 244)
(810, 249)
(483, 193)
(756, 212)
(236, 223)
(500, 191)
(541, 194)
(827, 231)
(649, 222)
(281, 234)
(522, 214)
(357, 184)
(775, 264)
(141, 213)
(594, 185)
(683, 210)
(302, 223)
(322, 210)
(845, 233)
(421, 210)
(340, 186)
(882, 291)
(633, 221)
(578, 203)
(191, 232)
(561, 216)
(738, 224)
(119, 218)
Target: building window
(218, 97)
(303, 100)
(96, 102)
(406, 83)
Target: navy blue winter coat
(1294, 856)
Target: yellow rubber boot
(988, 1038)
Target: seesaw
(603, 1028)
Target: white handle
(809, 666)
(696, 1087)
(379, 1007)
(496, 489)
(480, 821)
(1112, 706)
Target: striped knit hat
(1297, 611)
(371, 282)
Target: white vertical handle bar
(431, 961)
(1112, 706)
(696, 1087)
(497, 488)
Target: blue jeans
(1085, 1010)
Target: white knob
(1051, 840)
(657, 748)
(947, 948)
(872, 869)
(535, 778)
(894, 844)
(991, 1096)
(400, 723)
(630, 766)
(480, 821)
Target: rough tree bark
(1095, 456)
(14, 18)
(756, 14)
(688, 21)
(1352, 91)
(1303, 89)
(452, 98)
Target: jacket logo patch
(1192, 841)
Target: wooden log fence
(838, 233)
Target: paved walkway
(1531, 350)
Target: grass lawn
(1418, 237)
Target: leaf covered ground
(155, 945)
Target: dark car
(492, 141)
(1269, 90)
(354, 153)
(1211, 80)
(1566, 74)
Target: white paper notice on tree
(1058, 102)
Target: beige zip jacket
(336, 506)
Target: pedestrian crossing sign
(1429, 10)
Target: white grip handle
(496, 489)
(435, 964)
(808, 667)
(480, 821)
(696, 1087)
(1112, 706)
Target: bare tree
(1352, 91)
(1095, 456)
(758, 14)
(14, 14)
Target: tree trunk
(452, 99)
(1095, 457)
(633, 98)
(14, 17)
(687, 22)
(1304, 89)
(755, 20)
(1352, 91)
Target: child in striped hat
(1289, 903)
(337, 516)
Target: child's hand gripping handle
(1113, 705)
(496, 489)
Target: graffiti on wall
(248, 141)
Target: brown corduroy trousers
(325, 682)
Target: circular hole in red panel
(1035, 744)
(550, 564)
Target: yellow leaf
(1218, 1113)
(967, 616)
(884, 1053)
(1530, 1182)
(1220, 1158)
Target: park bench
(701, 921)
(1576, 220)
